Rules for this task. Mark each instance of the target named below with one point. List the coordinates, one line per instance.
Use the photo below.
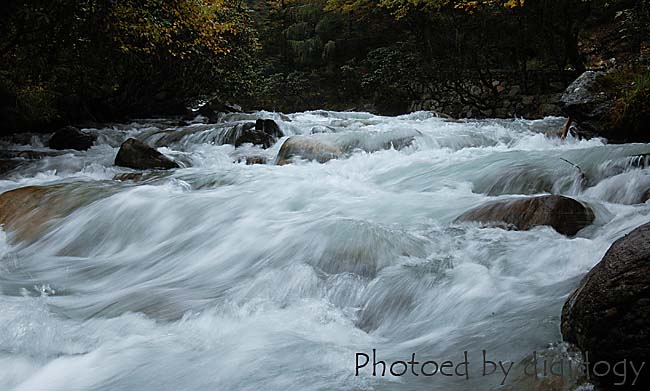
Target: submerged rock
(608, 316)
(71, 138)
(566, 215)
(138, 155)
(308, 148)
(27, 211)
(325, 147)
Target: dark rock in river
(71, 138)
(566, 215)
(270, 127)
(307, 148)
(263, 132)
(138, 155)
(608, 316)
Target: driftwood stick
(567, 125)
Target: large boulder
(610, 105)
(26, 212)
(587, 103)
(566, 215)
(308, 148)
(608, 316)
(71, 138)
(138, 155)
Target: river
(227, 276)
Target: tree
(104, 59)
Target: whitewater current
(226, 276)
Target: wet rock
(247, 134)
(138, 155)
(251, 160)
(263, 132)
(26, 212)
(325, 147)
(71, 138)
(269, 126)
(566, 215)
(308, 148)
(608, 316)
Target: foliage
(104, 59)
(631, 110)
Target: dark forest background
(64, 61)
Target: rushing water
(224, 276)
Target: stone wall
(502, 95)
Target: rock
(308, 148)
(528, 99)
(250, 133)
(613, 106)
(269, 126)
(566, 215)
(138, 155)
(71, 138)
(255, 159)
(608, 316)
(587, 103)
(548, 109)
(514, 91)
(324, 147)
(26, 212)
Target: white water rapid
(227, 276)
